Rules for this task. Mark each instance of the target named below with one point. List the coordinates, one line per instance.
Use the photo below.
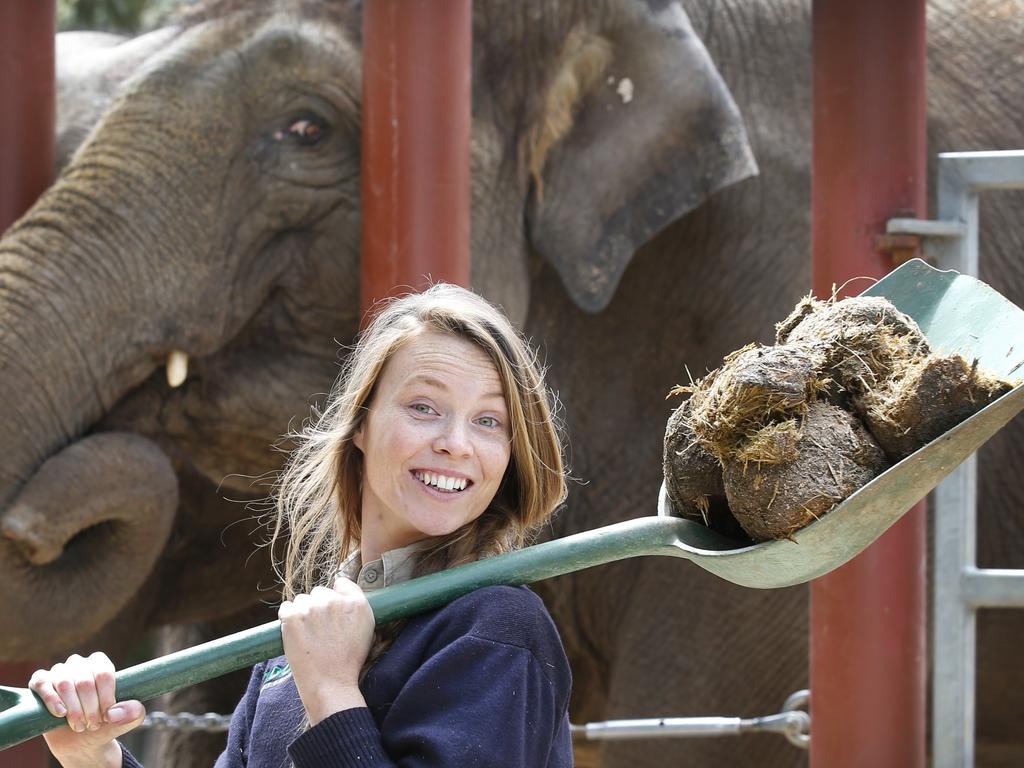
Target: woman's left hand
(327, 636)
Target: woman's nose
(454, 439)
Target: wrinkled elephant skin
(208, 203)
(211, 215)
(108, 498)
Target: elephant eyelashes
(304, 130)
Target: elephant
(640, 206)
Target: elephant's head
(209, 205)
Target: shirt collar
(392, 567)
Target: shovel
(957, 314)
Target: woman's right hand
(82, 690)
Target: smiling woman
(440, 383)
(435, 442)
(437, 447)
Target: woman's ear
(357, 437)
(635, 128)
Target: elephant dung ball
(864, 339)
(755, 385)
(928, 397)
(829, 457)
(692, 473)
(693, 478)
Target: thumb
(123, 717)
(344, 585)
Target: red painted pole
(27, 104)
(416, 124)
(868, 664)
(27, 115)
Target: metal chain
(211, 722)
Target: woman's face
(435, 442)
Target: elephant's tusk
(177, 368)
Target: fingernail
(77, 726)
(93, 727)
(60, 710)
(115, 714)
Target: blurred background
(120, 16)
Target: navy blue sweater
(483, 681)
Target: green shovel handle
(24, 716)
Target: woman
(437, 447)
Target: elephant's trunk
(96, 515)
(91, 303)
(93, 512)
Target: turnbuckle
(793, 722)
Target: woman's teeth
(441, 482)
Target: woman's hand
(82, 690)
(327, 636)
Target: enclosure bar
(27, 119)
(986, 170)
(868, 640)
(27, 104)
(961, 177)
(415, 161)
(993, 587)
(925, 228)
(959, 586)
(954, 634)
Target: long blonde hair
(319, 493)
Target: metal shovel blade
(957, 314)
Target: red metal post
(868, 639)
(416, 124)
(27, 104)
(27, 113)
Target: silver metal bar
(957, 202)
(953, 629)
(993, 588)
(986, 170)
(960, 587)
(925, 228)
(660, 727)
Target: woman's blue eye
(488, 421)
(422, 408)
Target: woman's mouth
(442, 483)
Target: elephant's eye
(305, 130)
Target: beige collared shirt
(392, 567)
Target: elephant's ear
(636, 128)
(91, 67)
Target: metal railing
(960, 588)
